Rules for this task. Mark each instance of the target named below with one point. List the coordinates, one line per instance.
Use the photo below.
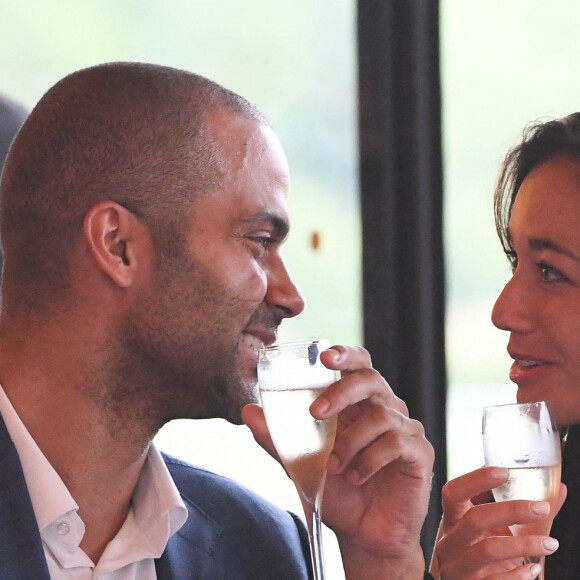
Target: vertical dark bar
(12, 117)
(402, 204)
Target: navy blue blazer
(231, 533)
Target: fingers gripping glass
(291, 377)
(524, 439)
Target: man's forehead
(222, 124)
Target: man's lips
(253, 341)
(256, 339)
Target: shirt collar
(157, 510)
(49, 496)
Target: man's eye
(260, 244)
(263, 241)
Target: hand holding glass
(524, 438)
(291, 377)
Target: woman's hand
(474, 540)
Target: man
(142, 214)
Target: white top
(157, 512)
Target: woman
(537, 208)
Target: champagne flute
(523, 437)
(290, 378)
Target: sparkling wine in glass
(290, 378)
(523, 438)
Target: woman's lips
(526, 370)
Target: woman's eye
(550, 274)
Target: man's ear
(115, 237)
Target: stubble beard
(186, 385)
(173, 369)
(180, 349)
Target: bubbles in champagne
(303, 443)
(532, 483)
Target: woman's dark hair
(541, 141)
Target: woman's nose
(511, 310)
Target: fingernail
(536, 570)
(499, 473)
(541, 508)
(550, 544)
(322, 405)
(336, 355)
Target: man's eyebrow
(279, 223)
(544, 244)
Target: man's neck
(99, 465)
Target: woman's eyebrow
(538, 244)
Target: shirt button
(62, 529)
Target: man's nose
(283, 293)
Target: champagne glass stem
(313, 519)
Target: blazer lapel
(21, 551)
(190, 553)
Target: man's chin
(244, 394)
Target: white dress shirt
(157, 512)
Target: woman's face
(540, 305)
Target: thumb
(253, 417)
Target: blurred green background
(504, 63)
(293, 59)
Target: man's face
(209, 308)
